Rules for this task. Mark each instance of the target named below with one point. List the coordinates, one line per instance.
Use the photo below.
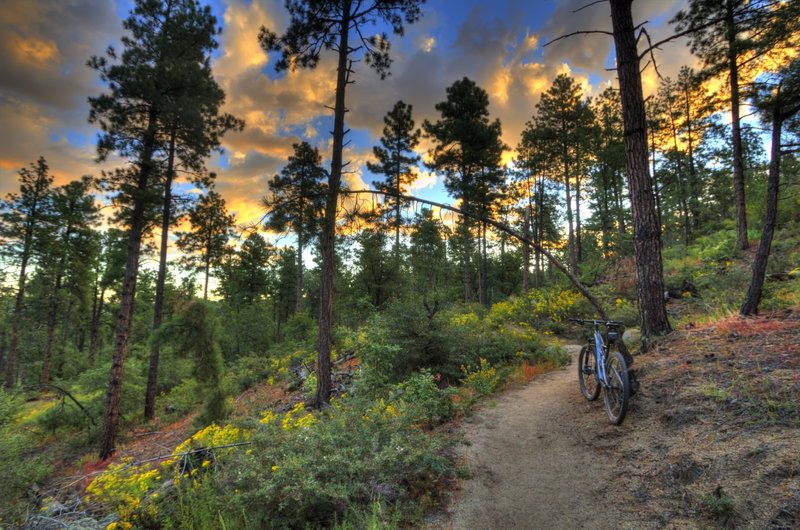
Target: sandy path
(530, 462)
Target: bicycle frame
(600, 356)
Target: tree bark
(127, 294)
(736, 130)
(646, 231)
(328, 235)
(158, 307)
(753, 298)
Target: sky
(44, 81)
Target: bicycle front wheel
(618, 391)
(587, 373)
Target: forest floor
(711, 441)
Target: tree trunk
(573, 258)
(484, 275)
(328, 235)
(681, 180)
(51, 325)
(753, 298)
(539, 237)
(578, 244)
(693, 184)
(298, 287)
(158, 308)
(736, 131)
(97, 313)
(127, 294)
(656, 190)
(646, 232)
(19, 305)
(467, 254)
(526, 252)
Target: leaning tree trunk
(753, 298)
(127, 295)
(158, 308)
(646, 231)
(736, 130)
(328, 236)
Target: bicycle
(603, 364)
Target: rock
(632, 337)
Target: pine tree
(732, 37)
(316, 25)
(566, 118)
(204, 246)
(646, 229)
(467, 149)
(779, 103)
(23, 216)
(73, 243)
(396, 160)
(296, 201)
(164, 42)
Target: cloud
(44, 83)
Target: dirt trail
(534, 460)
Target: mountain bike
(602, 364)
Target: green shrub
(310, 476)
(22, 467)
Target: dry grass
(714, 435)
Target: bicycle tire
(587, 373)
(618, 391)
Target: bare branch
(587, 32)
(590, 5)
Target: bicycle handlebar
(596, 322)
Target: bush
(312, 475)
(22, 468)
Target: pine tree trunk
(19, 305)
(753, 298)
(526, 252)
(578, 244)
(484, 275)
(59, 356)
(328, 235)
(298, 287)
(539, 237)
(97, 313)
(158, 308)
(656, 190)
(683, 192)
(573, 258)
(736, 131)
(693, 184)
(127, 294)
(646, 231)
(51, 326)
(467, 255)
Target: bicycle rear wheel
(587, 373)
(618, 392)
